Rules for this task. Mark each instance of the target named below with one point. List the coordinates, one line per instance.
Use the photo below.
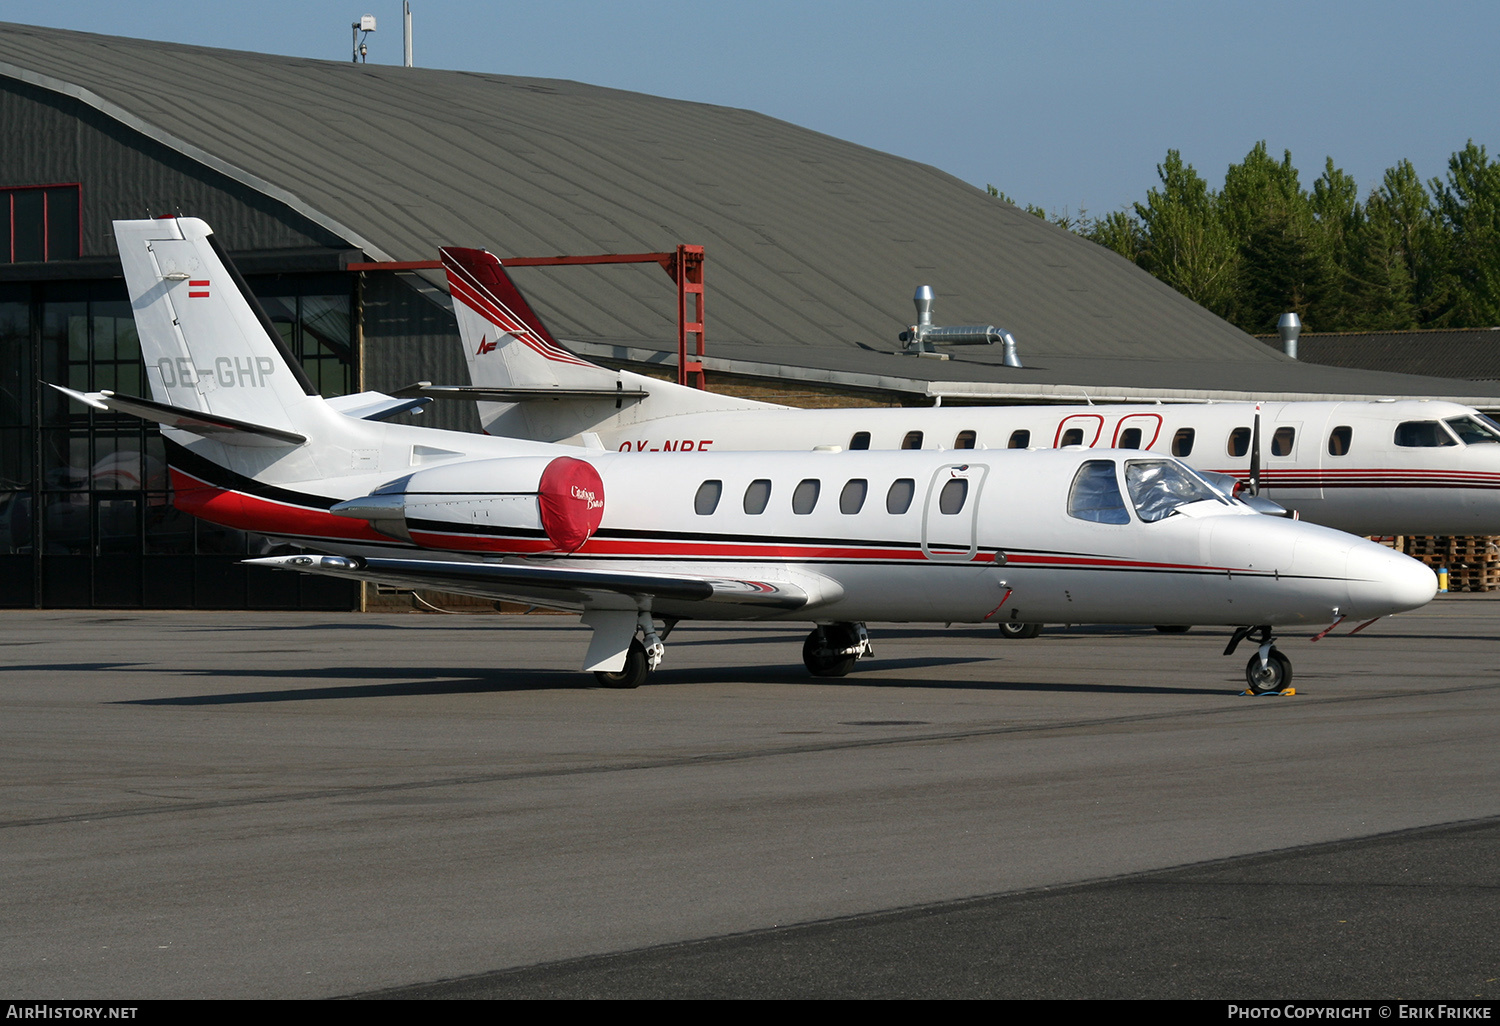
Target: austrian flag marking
(198, 283)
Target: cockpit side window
(1095, 494)
(1158, 487)
(1472, 430)
(1422, 434)
(861, 440)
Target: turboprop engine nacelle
(558, 500)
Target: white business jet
(633, 541)
(1371, 468)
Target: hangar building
(304, 168)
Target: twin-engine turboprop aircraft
(633, 540)
(1373, 468)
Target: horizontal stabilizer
(376, 405)
(564, 587)
(209, 425)
(517, 394)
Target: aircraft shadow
(455, 682)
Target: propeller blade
(1254, 487)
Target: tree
(1184, 242)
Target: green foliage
(1411, 255)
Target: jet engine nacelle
(558, 500)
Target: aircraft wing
(565, 587)
(518, 394)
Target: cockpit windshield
(1159, 487)
(1473, 430)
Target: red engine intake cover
(571, 494)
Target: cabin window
(1182, 442)
(898, 499)
(1130, 438)
(1471, 430)
(707, 499)
(951, 498)
(861, 440)
(913, 440)
(852, 498)
(1283, 441)
(1095, 494)
(1338, 441)
(1239, 441)
(757, 495)
(1019, 439)
(965, 440)
(805, 496)
(1422, 434)
(1158, 487)
(1073, 436)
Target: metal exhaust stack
(919, 338)
(1289, 327)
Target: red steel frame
(684, 265)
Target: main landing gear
(1012, 630)
(1268, 670)
(832, 648)
(643, 656)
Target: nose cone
(1383, 581)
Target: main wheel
(822, 651)
(1019, 631)
(1174, 628)
(1275, 675)
(634, 673)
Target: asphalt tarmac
(321, 805)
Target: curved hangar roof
(814, 245)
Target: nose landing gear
(1268, 670)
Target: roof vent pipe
(406, 12)
(1011, 358)
(1289, 327)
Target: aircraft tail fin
(207, 344)
(505, 342)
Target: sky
(1065, 104)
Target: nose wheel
(1273, 673)
(1268, 670)
(1010, 629)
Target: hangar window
(1338, 441)
(965, 440)
(1283, 441)
(898, 499)
(861, 440)
(40, 223)
(913, 440)
(757, 495)
(707, 499)
(1019, 439)
(1130, 438)
(1182, 442)
(852, 498)
(1471, 430)
(1422, 434)
(1239, 441)
(1095, 494)
(805, 496)
(1072, 436)
(951, 498)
